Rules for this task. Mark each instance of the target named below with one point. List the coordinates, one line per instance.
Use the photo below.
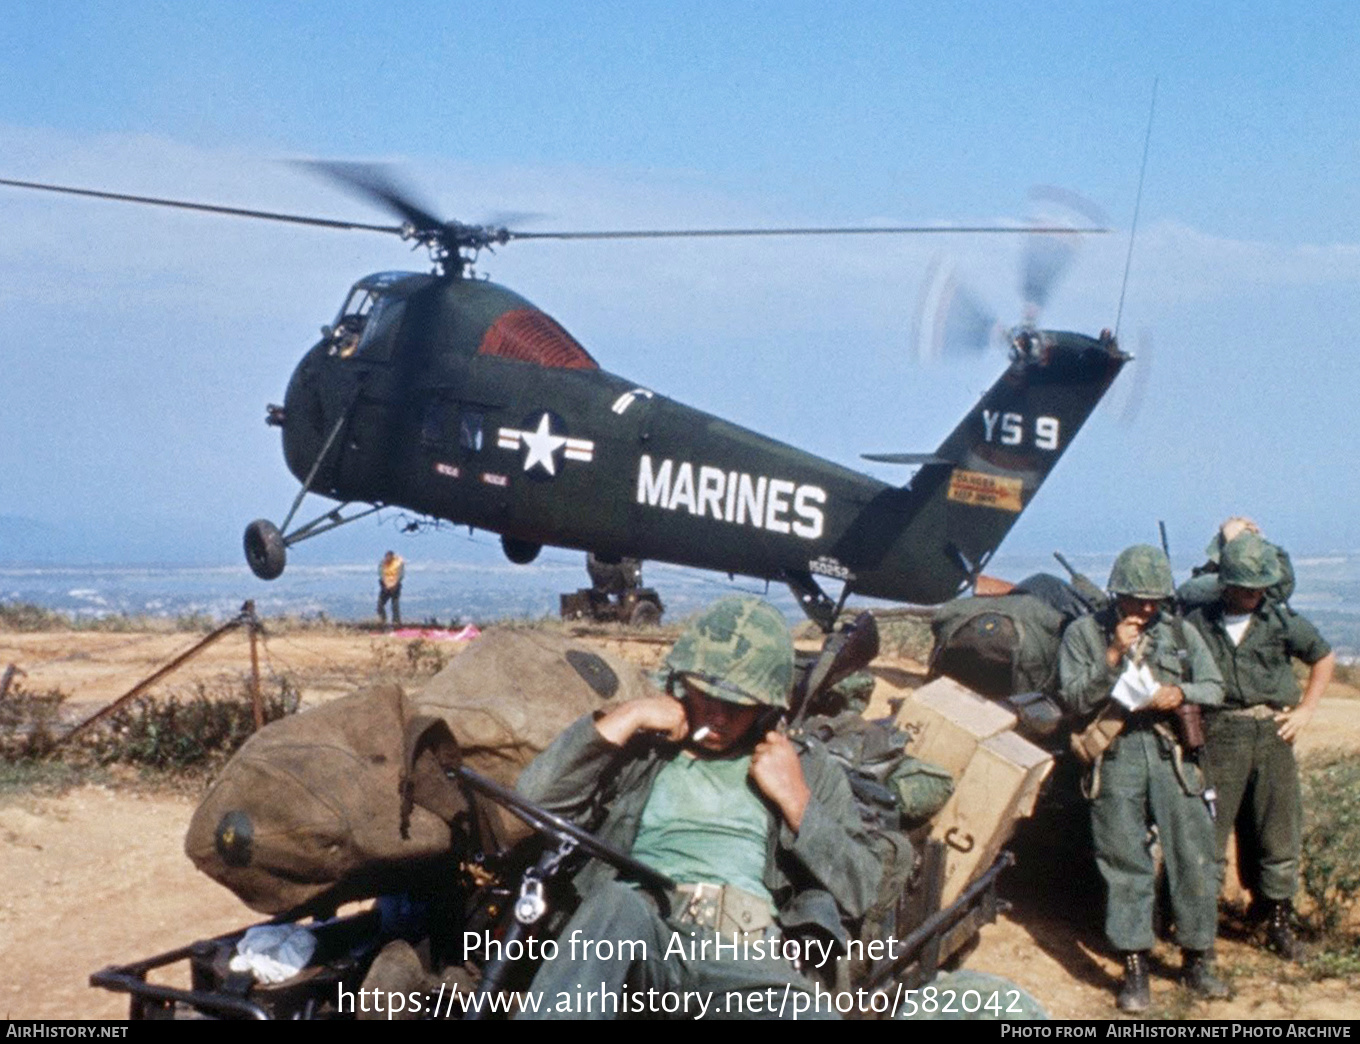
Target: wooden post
(254, 624)
(160, 673)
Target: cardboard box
(997, 788)
(947, 722)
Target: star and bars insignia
(543, 441)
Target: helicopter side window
(470, 431)
(434, 422)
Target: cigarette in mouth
(701, 734)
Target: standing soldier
(1141, 775)
(391, 572)
(1250, 740)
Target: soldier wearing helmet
(1253, 637)
(1203, 588)
(761, 833)
(1134, 662)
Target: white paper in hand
(1135, 687)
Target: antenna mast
(1137, 205)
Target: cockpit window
(381, 329)
(359, 304)
(531, 336)
(353, 318)
(367, 325)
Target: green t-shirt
(705, 822)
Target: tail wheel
(521, 552)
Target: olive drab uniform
(1248, 760)
(807, 882)
(1141, 777)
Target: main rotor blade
(372, 182)
(266, 215)
(377, 183)
(881, 230)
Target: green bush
(1331, 836)
(24, 616)
(176, 735)
(426, 657)
(30, 722)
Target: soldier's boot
(1280, 935)
(1197, 972)
(1134, 996)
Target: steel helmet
(739, 650)
(1142, 571)
(1248, 561)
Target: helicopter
(453, 397)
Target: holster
(1172, 744)
(1090, 743)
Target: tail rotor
(953, 321)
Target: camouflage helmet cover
(1248, 561)
(1142, 571)
(1230, 530)
(738, 650)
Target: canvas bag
(512, 692)
(308, 813)
(998, 645)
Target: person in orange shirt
(391, 572)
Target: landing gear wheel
(645, 614)
(266, 553)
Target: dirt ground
(97, 875)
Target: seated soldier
(761, 833)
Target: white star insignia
(542, 444)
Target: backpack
(894, 794)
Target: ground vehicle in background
(615, 595)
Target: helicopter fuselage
(456, 398)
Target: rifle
(1188, 718)
(846, 651)
(1083, 586)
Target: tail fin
(936, 534)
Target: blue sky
(141, 345)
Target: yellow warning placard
(983, 490)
